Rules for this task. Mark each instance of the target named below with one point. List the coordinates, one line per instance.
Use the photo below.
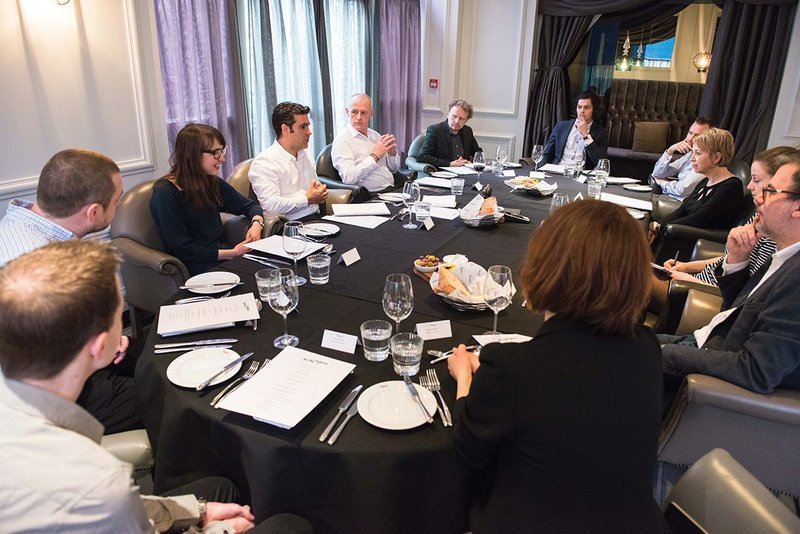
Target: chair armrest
(413, 164)
(669, 318)
(150, 276)
(682, 231)
(141, 256)
(705, 249)
(359, 193)
(337, 196)
(132, 446)
(760, 431)
(663, 206)
(273, 224)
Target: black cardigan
(717, 206)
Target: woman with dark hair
(187, 202)
(561, 431)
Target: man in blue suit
(581, 135)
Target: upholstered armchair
(328, 175)
(413, 152)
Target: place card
(485, 339)
(428, 223)
(435, 330)
(216, 313)
(339, 341)
(510, 173)
(581, 178)
(477, 186)
(579, 196)
(349, 257)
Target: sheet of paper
(368, 208)
(460, 170)
(217, 313)
(432, 181)
(485, 339)
(646, 205)
(339, 341)
(552, 168)
(274, 245)
(444, 213)
(288, 388)
(442, 201)
(435, 330)
(364, 221)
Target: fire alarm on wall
(433, 83)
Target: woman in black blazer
(561, 431)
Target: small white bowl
(425, 269)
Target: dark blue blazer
(594, 152)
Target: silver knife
(415, 394)
(200, 342)
(342, 408)
(260, 260)
(190, 348)
(350, 413)
(215, 284)
(202, 385)
(263, 258)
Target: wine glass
(411, 195)
(602, 171)
(497, 291)
(398, 297)
(283, 297)
(294, 244)
(557, 201)
(479, 163)
(579, 161)
(537, 154)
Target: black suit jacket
(562, 431)
(437, 150)
(595, 151)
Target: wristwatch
(376, 158)
(202, 507)
(259, 221)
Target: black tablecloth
(371, 480)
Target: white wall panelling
(786, 122)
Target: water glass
(559, 200)
(570, 170)
(457, 184)
(262, 283)
(595, 189)
(406, 353)
(319, 268)
(422, 211)
(579, 161)
(375, 335)
(602, 171)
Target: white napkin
(441, 201)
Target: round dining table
(371, 479)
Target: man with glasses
(360, 154)
(77, 194)
(450, 143)
(755, 342)
(676, 178)
(283, 175)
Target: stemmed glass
(497, 291)
(558, 200)
(537, 154)
(411, 195)
(500, 158)
(283, 297)
(398, 297)
(294, 244)
(602, 171)
(479, 162)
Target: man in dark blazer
(450, 143)
(755, 342)
(580, 134)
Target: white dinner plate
(320, 229)
(636, 214)
(214, 277)
(637, 187)
(444, 174)
(389, 405)
(190, 369)
(391, 197)
(619, 180)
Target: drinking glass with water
(602, 171)
(406, 353)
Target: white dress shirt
(576, 144)
(676, 178)
(351, 156)
(57, 477)
(280, 181)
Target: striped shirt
(22, 230)
(762, 251)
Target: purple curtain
(399, 101)
(197, 41)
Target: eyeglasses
(769, 190)
(217, 153)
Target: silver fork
(426, 383)
(233, 385)
(433, 378)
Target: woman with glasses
(560, 432)
(187, 202)
(705, 271)
(717, 200)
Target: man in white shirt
(754, 343)
(361, 155)
(61, 322)
(676, 178)
(283, 175)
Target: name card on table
(339, 341)
(206, 315)
(579, 196)
(349, 257)
(510, 173)
(477, 186)
(485, 339)
(293, 384)
(435, 330)
(428, 223)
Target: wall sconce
(701, 61)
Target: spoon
(327, 249)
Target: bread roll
(448, 282)
(488, 206)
